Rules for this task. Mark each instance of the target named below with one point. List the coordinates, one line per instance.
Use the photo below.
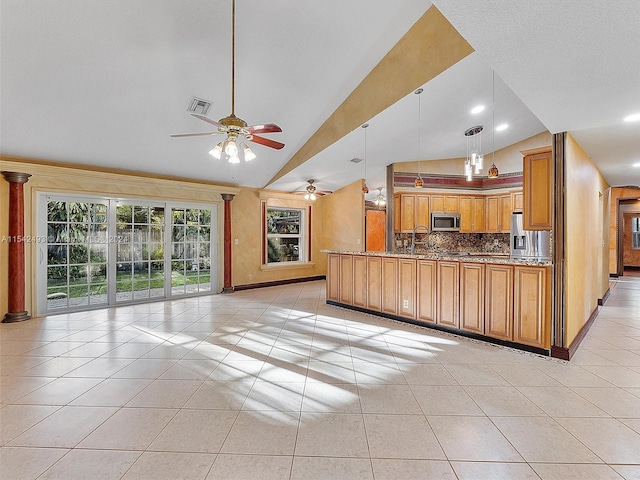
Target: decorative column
(15, 286)
(228, 286)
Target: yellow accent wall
(586, 238)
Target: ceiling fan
(311, 192)
(234, 127)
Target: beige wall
(617, 193)
(508, 159)
(343, 219)
(631, 257)
(586, 237)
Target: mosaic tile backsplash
(453, 242)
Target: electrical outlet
(358, 241)
(405, 304)
(236, 241)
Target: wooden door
(407, 297)
(517, 200)
(426, 288)
(346, 279)
(499, 301)
(537, 189)
(375, 232)
(423, 211)
(437, 203)
(408, 212)
(390, 285)
(359, 281)
(452, 203)
(472, 297)
(333, 277)
(374, 283)
(532, 306)
(448, 285)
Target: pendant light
(493, 170)
(418, 181)
(473, 163)
(365, 189)
(380, 201)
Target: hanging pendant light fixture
(418, 181)
(311, 191)
(473, 163)
(380, 201)
(365, 189)
(493, 170)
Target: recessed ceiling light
(636, 164)
(502, 127)
(477, 109)
(632, 118)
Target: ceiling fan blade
(266, 128)
(267, 142)
(193, 134)
(206, 119)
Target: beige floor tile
(608, 438)
(561, 402)
(13, 389)
(494, 471)
(503, 401)
(332, 435)
(445, 400)
(56, 367)
(64, 428)
(426, 374)
(228, 371)
(198, 431)
(93, 464)
(60, 391)
(14, 366)
(466, 374)
(388, 399)
(573, 375)
(282, 397)
(378, 373)
(318, 468)
(190, 370)
(401, 436)
(548, 471)
(112, 392)
(331, 398)
(243, 467)
(331, 372)
(263, 433)
(220, 395)
(614, 401)
(52, 349)
(129, 429)
(542, 439)
(170, 466)
(16, 419)
(91, 349)
(385, 469)
(619, 376)
(524, 375)
(165, 394)
(130, 350)
(19, 463)
(629, 472)
(100, 368)
(146, 368)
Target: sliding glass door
(102, 251)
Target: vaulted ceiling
(105, 82)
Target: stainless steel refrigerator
(529, 244)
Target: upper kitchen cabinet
(498, 216)
(445, 203)
(472, 214)
(537, 189)
(410, 210)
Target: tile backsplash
(453, 242)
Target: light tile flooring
(274, 384)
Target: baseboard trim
(566, 353)
(277, 283)
(605, 297)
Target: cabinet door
(423, 211)
(407, 297)
(537, 188)
(452, 203)
(346, 279)
(437, 203)
(517, 200)
(499, 302)
(448, 285)
(374, 283)
(408, 212)
(426, 298)
(506, 209)
(390, 285)
(478, 214)
(532, 306)
(466, 214)
(492, 219)
(397, 213)
(472, 297)
(333, 277)
(359, 281)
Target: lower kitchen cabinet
(346, 279)
(390, 285)
(374, 283)
(426, 296)
(333, 277)
(359, 281)
(448, 295)
(499, 301)
(532, 306)
(472, 297)
(407, 276)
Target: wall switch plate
(405, 304)
(236, 241)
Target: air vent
(199, 106)
(356, 160)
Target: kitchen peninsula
(488, 297)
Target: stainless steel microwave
(445, 222)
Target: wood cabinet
(537, 189)
(499, 301)
(498, 213)
(411, 210)
(407, 213)
(333, 277)
(517, 201)
(426, 294)
(374, 283)
(445, 203)
(359, 281)
(472, 214)
(532, 306)
(407, 287)
(390, 285)
(423, 211)
(397, 212)
(346, 279)
(448, 295)
(472, 297)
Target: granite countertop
(475, 257)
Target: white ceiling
(105, 82)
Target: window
(285, 235)
(635, 233)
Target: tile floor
(274, 384)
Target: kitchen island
(488, 297)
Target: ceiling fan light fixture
(216, 152)
(248, 153)
(230, 147)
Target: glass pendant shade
(248, 153)
(418, 182)
(493, 171)
(216, 152)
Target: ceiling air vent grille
(356, 160)
(199, 106)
